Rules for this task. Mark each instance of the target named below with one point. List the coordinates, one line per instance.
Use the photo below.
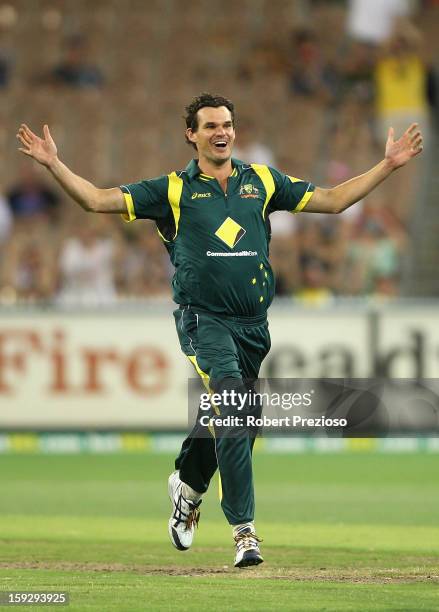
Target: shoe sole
(250, 561)
(173, 536)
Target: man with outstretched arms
(213, 218)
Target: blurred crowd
(315, 101)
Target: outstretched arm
(91, 198)
(398, 153)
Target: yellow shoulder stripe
(267, 180)
(130, 215)
(303, 202)
(175, 189)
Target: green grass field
(341, 532)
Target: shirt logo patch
(196, 195)
(248, 191)
(230, 232)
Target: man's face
(215, 135)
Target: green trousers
(229, 351)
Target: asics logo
(196, 195)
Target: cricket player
(213, 218)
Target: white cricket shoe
(185, 514)
(247, 548)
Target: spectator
(433, 93)
(401, 79)
(372, 21)
(312, 75)
(32, 273)
(5, 220)
(283, 256)
(314, 289)
(262, 56)
(30, 260)
(386, 286)
(144, 269)
(373, 255)
(86, 268)
(357, 72)
(74, 70)
(249, 149)
(5, 69)
(30, 197)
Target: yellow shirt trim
(130, 214)
(303, 202)
(267, 180)
(175, 189)
(205, 177)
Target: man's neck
(221, 173)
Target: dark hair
(201, 101)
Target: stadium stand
(309, 91)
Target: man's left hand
(399, 152)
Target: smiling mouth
(220, 145)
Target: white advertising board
(125, 369)
(318, 343)
(103, 371)
(409, 342)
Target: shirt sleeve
(147, 199)
(291, 193)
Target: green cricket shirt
(217, 241)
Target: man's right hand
(43, 150)
(89, 197)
